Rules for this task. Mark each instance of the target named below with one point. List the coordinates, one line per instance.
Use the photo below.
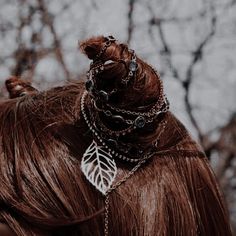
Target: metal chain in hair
(93, 129)
(120, 182)
(153, 111)
(126, 177)
(109, 40)
(115, 186)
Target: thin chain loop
(151, 115)
(153, 111)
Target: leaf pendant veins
(99, 167)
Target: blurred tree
(192, 44)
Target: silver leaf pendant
(99, 167)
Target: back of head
(42, 189)
(43, 138)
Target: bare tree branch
(130, 20)
(48, 20)
(196, 56)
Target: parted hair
(43, 191)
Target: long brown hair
(43, 191)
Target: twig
(130, 20)
(47, 18)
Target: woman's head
(42, 141)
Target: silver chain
(91, 127)
(126, 177)
(116, 185)
(148, 114)
(101, 140)
(106, 215)
(154, 111)
(108, 42)
(151, 115)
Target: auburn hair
(43, 191)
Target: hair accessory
(98, 162)
(99, 167)
(111, 126)
(133, 66)
(97, 67)
(140, 122)
(90, 84)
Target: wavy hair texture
(43, 191)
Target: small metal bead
(131, 74)
(140, 122)
(133, 66)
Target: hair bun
(92, 46)
(128, 74)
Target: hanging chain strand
(120, 182)
(106, 216)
